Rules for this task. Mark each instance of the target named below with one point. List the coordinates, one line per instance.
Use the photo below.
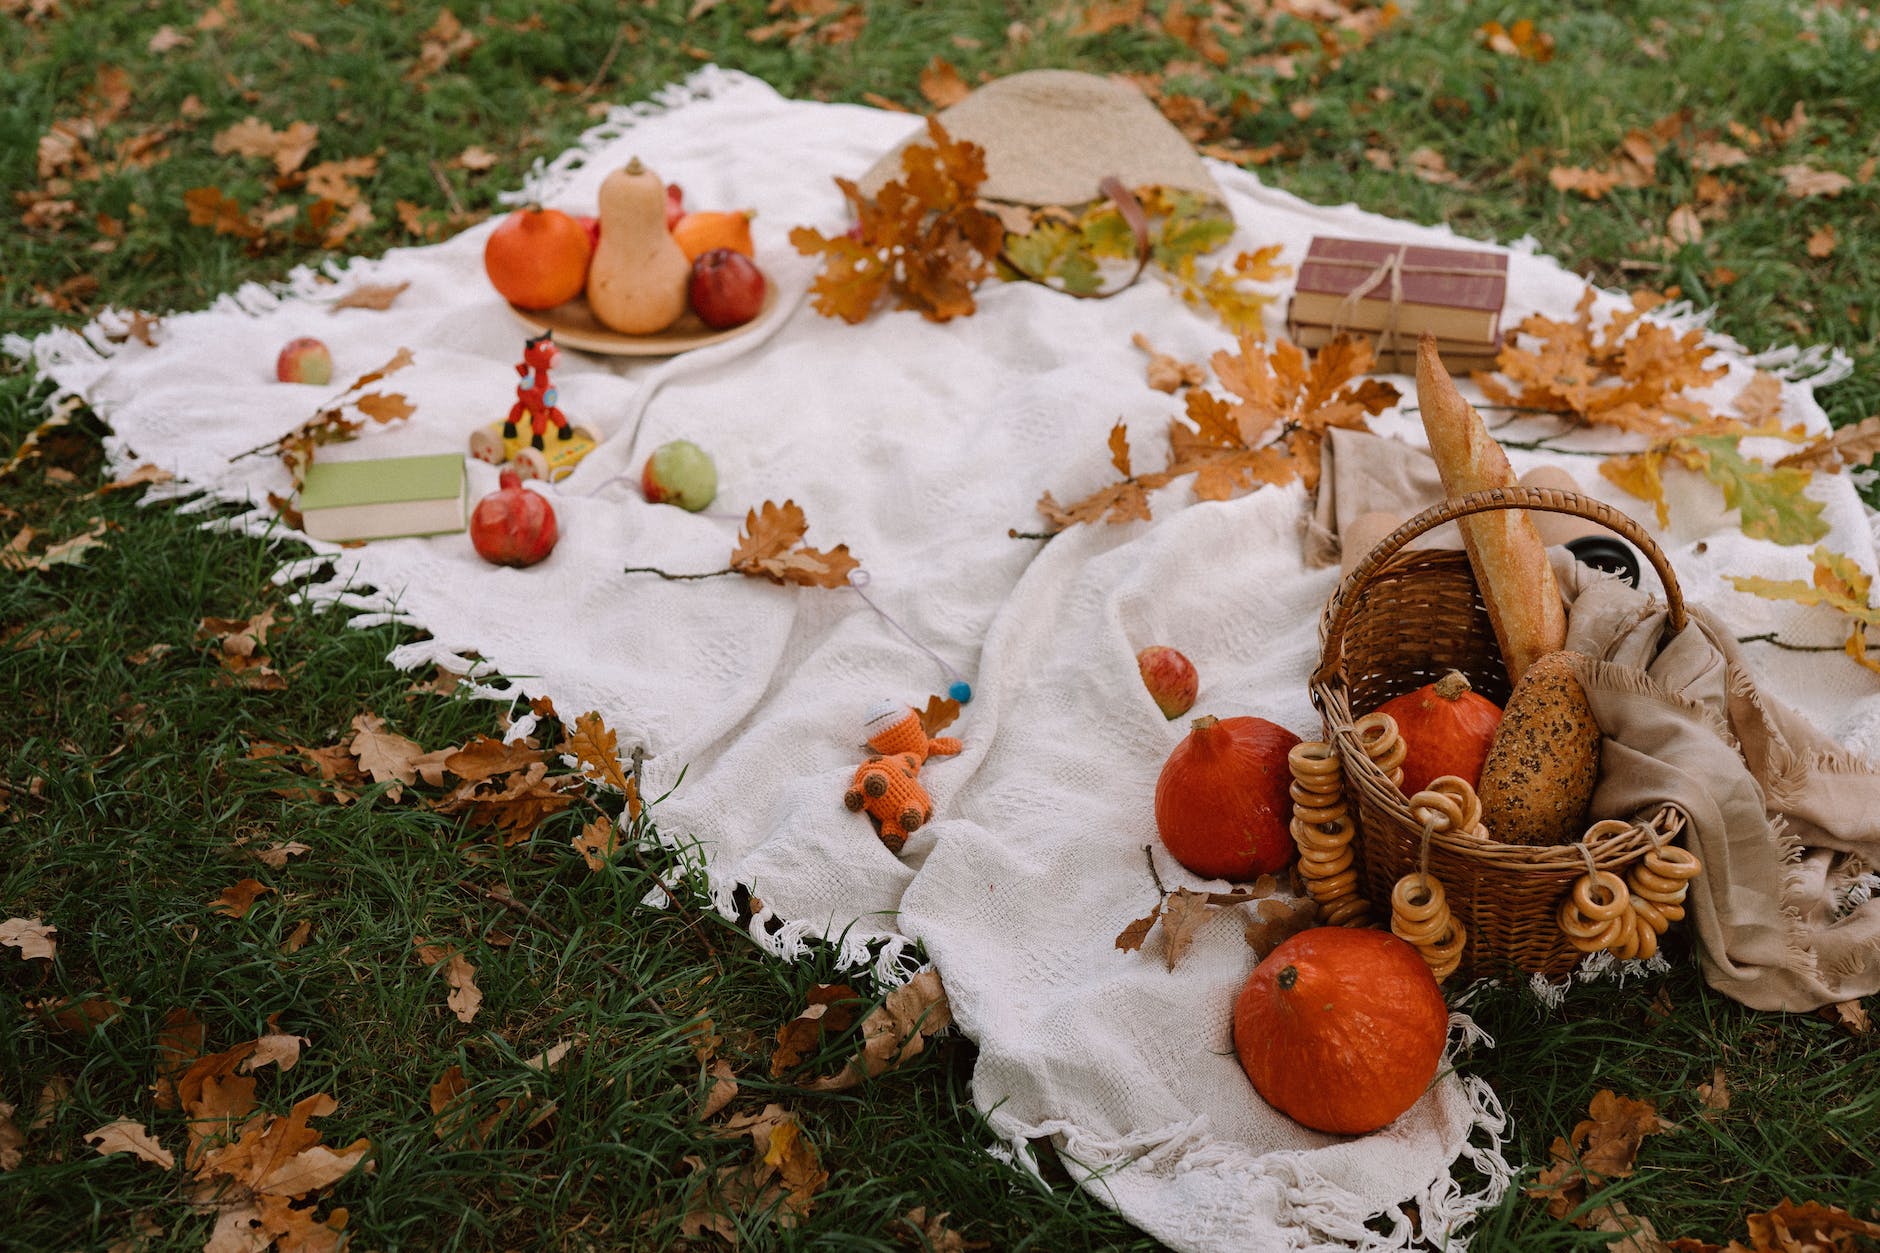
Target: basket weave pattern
(1402, 619)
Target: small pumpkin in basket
(1341, 1029)
(1447, 727)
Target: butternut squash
(637, 280)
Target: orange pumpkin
(699, 233)
(1447, 728)
(1223, 804)
(1341, 1029)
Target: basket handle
(1517, 496)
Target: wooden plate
(575, 326)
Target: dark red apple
(593, 228)
(727, 288)
(1170, 678)
(675, 205)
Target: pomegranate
(513, 526)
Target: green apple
(680, 473)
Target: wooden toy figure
(539, 454)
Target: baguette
(1505, 551)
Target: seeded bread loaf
(1544, 760)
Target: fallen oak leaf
(765, 549)
(238, 637)
(1849, 1015)
(829, 1013)
(275, 1049)
(595, 746)
(30, 936)
(597, 842)
(1132, 937)
(1839, 449)
(384, 756)
(251, 137)
(12, 1140)
(1601, 1148)
(1183, 914)
(145, 475)
(465, 997)
(1275, 921)
(129, 1136)
(724, 1087)
(895, 1032)
(237, 899)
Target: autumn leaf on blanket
(895, 1032)
(1275, 921)
(1269, 428)
(1630, 373)
(595, 746)
(938, 715)
(767, 549)
(1841, 449)
(924, 239)
(1603, 1147)
(377, 296)
(1183, 914)
(1839, 584)
(330, 425)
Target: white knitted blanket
(918, 445)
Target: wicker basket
(1402, 619)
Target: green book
(383, 497)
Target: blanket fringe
(1332, 1217)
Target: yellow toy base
(555, 460)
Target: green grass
(128, 784)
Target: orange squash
(699, 233)
(1341, 1029)
(636, 283)
(1447, 728)
(1223, 804)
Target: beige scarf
(1784, 821)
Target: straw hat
(1051, 135)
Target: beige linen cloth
(1785, 822)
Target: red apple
(593, 227)
(1170, 678)
(304, 360)
(675, 205)
(727, 288)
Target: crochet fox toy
(887, 785)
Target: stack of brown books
(1392, 293)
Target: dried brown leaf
(1849, 1015)
(379, 296)
(1274, 921)
(1132, 937)
(30, 936)
(896, 1032)
(1183, 914)
(766, 549)
(941, 84)
(129, 1136)
(830, 1012)
(597, 842)
(237, 899)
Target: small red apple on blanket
(887, 785)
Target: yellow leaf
(1641, 474)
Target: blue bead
(961, 691)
